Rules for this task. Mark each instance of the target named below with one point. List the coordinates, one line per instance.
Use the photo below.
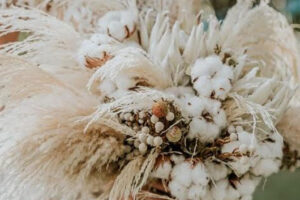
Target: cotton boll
(245, 137)
(119, 93)
(181, 92)
(116, 30)
(240, 165)
(128, 20)
(212, 106)
(195, 126)
(209, 133)
(243, 148)
(205, 132)
(124, 82)
(247, 185)
(248, 197)
(182, 173)
(270, 149)
(101, 39)
(217, 171)
(107, 87)
(91, 50)
(163, 171)
(219, 190)
(225, 72)
(203, 86)
(118, 24)
(200, 175)
(194, 106)
(177, 190)
(231, 129)
(177, 158)
(208, 195)
(220, 118)
(221, 88)
(196, 192)
(206, 67)
(232, 194)
(229, 147)
(266, 167)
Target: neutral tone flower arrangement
(148, 100)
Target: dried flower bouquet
(144, 100)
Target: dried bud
(174, 134)
(160, 109)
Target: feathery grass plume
(144, 100)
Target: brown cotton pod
(174, 134)
(160, 109)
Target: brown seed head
(160, 109)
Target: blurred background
(285, 185)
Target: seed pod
(160, 109)
(154, 119)
(145, 130)
(143, 148)
(150, 139)
(159, 126)
(170, 116)
(142, 137)
(174, 134)
(157, 141)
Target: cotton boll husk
(182, 173)
(266, 167)
(200, 175)
(196, 192)
(163, 171)
(217, 171)
(177, 190)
